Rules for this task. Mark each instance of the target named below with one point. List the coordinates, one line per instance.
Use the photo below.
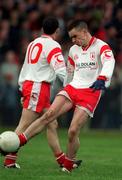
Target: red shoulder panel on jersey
(104, 48)
(52, 53)
(71, 61)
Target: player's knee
(72, 133)
(50, 113)
(53, 125)
(47, 118)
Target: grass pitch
(100, 151)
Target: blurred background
(21, 22)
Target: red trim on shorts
(71, 61)
(36, 96)
(26, 89)
(52, 53)
(44, 97)
(104, 48)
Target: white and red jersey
(87, 64)
(43, 61)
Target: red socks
(10, 159)
(68, 164)
(60, 158)
(23, 139)
(64, 161)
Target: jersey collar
(92, 40)
(46, 36)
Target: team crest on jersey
(92, 55)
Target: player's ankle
(10, 159)
(68, 164)
(23, 139)
(60, 158)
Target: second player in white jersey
(89, 63)
(43, 62)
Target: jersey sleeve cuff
(102, 78)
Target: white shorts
(36, 96)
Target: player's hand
(99, 84)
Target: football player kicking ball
(43, 62)
(91, 62)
